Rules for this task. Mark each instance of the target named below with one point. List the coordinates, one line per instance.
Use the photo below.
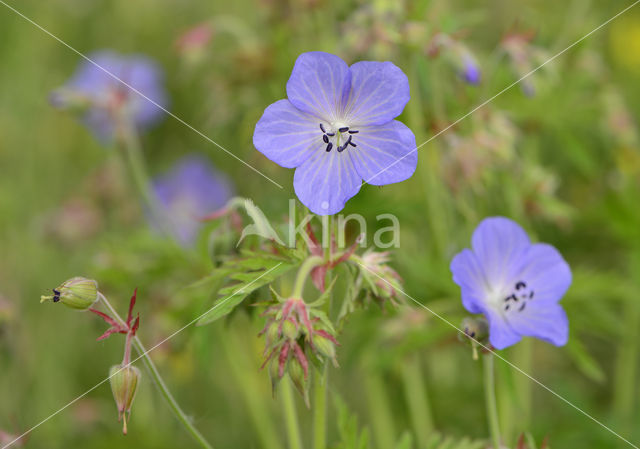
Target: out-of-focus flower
(294, 331)
(102, 101)
(524, 57)
(78, 293)
(7, 311)
(619, 121)
(193, 43)
(516, 284)
(337, 128)
(192, 189)
(7, 439)
(458, 55)
(467, 158)
(77, 219)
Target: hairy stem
(162, 386)
(303, 274)
(321, 381)
(490, 399)
(291, 415)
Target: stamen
(325, 138)
(329, 146)
(522, 307)
(341, 148)
(520, 285)
(351, 143)
(322, 128)
(353, 131)
(343, 130)
(331, 134)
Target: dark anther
(348, 142)
(329, 146)
(322, 128)
(520, 285)
(522, 307)
(343, 130)
(341, 148)
(56, 295)
(325, 138)
(511, 297)
(506, 307)
(531, 295)
(351, 143)
(331, 134)
(353, 131)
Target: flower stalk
(159, 381)
(490, 399)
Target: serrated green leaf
(233, 295)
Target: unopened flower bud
(124, 385)
(299, 379)
(289, 329)
(273, 331)
(476, 330)
(78, 293)
(325, 346)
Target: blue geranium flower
(471, 71)
(516, 284)
(102, 100)
(188, 192)
(337, 129)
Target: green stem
(490, 398)
(321, 381)
(133, 151)
(291, 416)
(155, 374)
(416, 397)
(303, 274)
(320, 409)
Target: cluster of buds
(524, 57)
(383, 281)
(296, 332)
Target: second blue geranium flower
(516, 284)
(337, 129)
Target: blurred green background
(563, 159)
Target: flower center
(517, 300)
(336, 133)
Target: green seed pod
(78, 293)
(273, 332)
(124, 385)
(296, 373)
(325, 347)
(290, 330)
